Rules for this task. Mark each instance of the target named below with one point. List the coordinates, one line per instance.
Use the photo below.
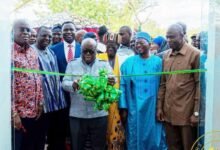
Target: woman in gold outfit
(115, 133)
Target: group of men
(155, 111)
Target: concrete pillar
(212, 123)
(5, 76)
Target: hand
(160, 115)
(123, 114)
(39, 111)
(75, 85)
(111, 81)
(17, 122)
(194, 120)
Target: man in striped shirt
(54, 101)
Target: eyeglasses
(23, 29)
(88, 51)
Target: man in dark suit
(65, 52)
(68, 47)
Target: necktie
(70, 54)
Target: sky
(192, 12)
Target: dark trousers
(31, 137)
(57, 130)
(180, 137)
(95, 127)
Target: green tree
(98, 10)
(139, 9)
(112, 13)
(105, 12)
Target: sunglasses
(88, 51)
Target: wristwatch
(196, 114)
(41, 104)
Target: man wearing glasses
(84, 118)
(27, 94)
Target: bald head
(18, 22)
(125, 33)
(79, 35)
(183, 25)
(175, 37)
(89, 41)
(176, 28)
(22, 31)
(89, 50)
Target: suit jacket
(61, 59)
(58, 49)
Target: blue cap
(143, 35)
(56, 27)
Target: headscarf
(203, 40)
(90, 35)
(159, 40)
(143, 35)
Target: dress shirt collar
(66, 48)
(123, 46)
(182, 50)
(19, 48)
(43, 51)
(66, 45)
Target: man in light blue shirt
(138, 100)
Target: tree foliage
(21, 4)
(98, 10)
(112, 13)
(105, 12)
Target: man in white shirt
(124, 51)
(65, 51)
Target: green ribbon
(146, 74)
(98, 90)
